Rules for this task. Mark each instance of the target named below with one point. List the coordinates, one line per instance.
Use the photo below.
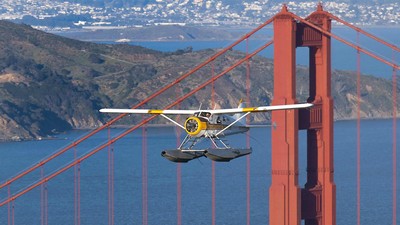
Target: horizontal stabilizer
(226, 155)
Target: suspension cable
(392, 46)
(155, 94)
(94, 151)
(346, 42)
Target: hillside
(50, 84)
(154, 33)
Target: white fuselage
(204, 124)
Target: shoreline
(89, 35)
(254, 125)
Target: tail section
(238, 115)
(241, 104)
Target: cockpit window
(205, 114)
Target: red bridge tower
(316, 202)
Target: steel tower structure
(316, 202)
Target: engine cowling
(195, 126)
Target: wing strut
(232, 123)
(173, 121)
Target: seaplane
(212, 125)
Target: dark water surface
(376, 179)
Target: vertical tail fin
(237, 115)
(241, 104)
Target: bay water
(376, 178)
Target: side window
(205, 114)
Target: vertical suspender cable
(358, 132)
(144, 176)
(178, 170)
(13, 213)
(178, 184)
(394, 95)
(110, 180)
(247, 137)
(213, 162)
(213, 193)
(76, 190)
(43, 201)
(41, 198)
(109, 175)
(78, 193)
(46, 206)
(112, 185)
(9, 206)
(212, 86)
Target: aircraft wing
(150, 111)
(260, 108)
(215, 111)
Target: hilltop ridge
(50, 84)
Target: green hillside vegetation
(51, 84)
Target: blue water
(376, 179)
(343, 56)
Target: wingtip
(105, 110)
(307, 105)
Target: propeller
(191, 125)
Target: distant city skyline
(47, 15)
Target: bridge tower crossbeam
(316, 202)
